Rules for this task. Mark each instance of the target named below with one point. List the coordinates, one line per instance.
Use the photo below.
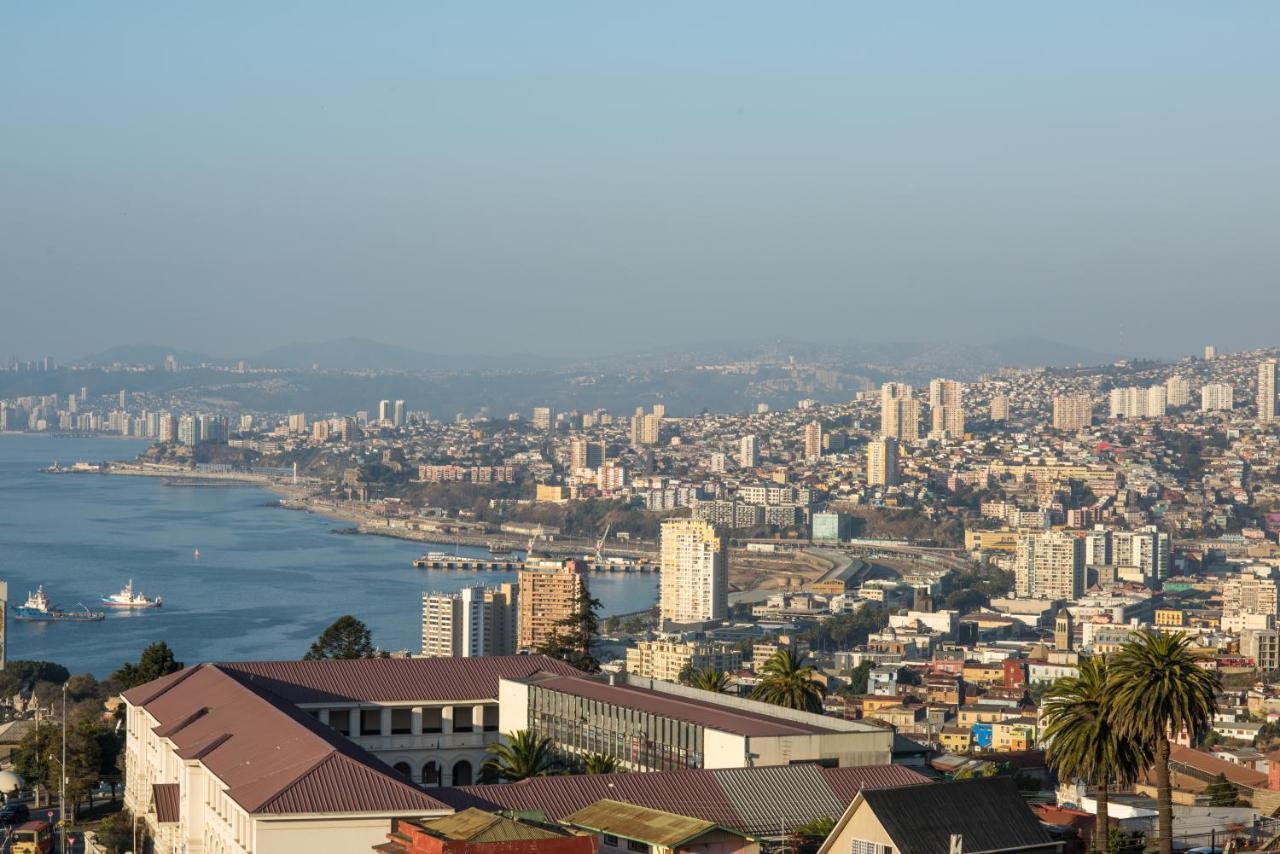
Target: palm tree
(519, 756)
(711, 679)
(1157, 687)
(600, 763)
(787, 681)
(1082, 742)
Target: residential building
(1267, 390)
(1072, 412)
(946, 407)
(385, 413)
(585, 454)
(1049, 565)
(668, 659)
(397, 414)
(882, 462)
(473, 831)
(1216, 396)
(1249, 594)
(547, 598)
(899, 412)
(470, 622)
(1177, 391)
(812, 440)
(543, 417)
(1263, 646)
(626, 828)
(694, 583)
(748, 452)
(999, 407)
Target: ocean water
(268, 580)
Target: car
(14, 813)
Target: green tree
(346, 638)
(711, 679)
(572, 642)
(1221, 793)
(33, 759)
(787, 681)
(858, 679)
(519, 756)
(600, 763)
(1156, 686)
(1082, 742)
(156, 660)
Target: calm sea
(267, 582)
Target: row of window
(369, 721)
(463, 773)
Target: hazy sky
(564, 177)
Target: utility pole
(62, 796)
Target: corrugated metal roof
(473, 825)
(166, 798)
(990, 814)
(642, 824)
(772, 800)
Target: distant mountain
(150, 354)
(364, 354)
(1032, 351)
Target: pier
(470, 564)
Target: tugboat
(38, 609)
(127, 598)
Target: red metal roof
(165, 796)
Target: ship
(38, 609)
(128, 598)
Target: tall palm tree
(1156, 688)
(600, 763)
(1082, 741)
(711, 679)
(519, 756)
(787, 681)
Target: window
(341, 721)
(432, 720)
(861, 847)
(462, 773)
(462, 719)
(431, 774)
(490, 718)
(401, 721)
(403, 768)
(638, 847)
(371, 722)
(610, 839)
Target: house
(624, 828)
(980, 815)
(955, 739)
(476, 832)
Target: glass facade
(638, 740)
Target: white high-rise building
(1210, 352)
(1049, 566)
(471, 622)
(748, 452)
(694, 584)
(1157, 401)
(946, 406)
(1216, 396)
(1267, 390)
(1177, 391)
(397, 414)
(899, 413)
(384, 412)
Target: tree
(858, 679)
(156, 660)
(600, 763)
(1082, 742)
(573, 644)
(1156, 686)
(519, 756)
(346, 638)
(1221, 793)
(33, 760)
(787, 681)
(711, 679)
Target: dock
(470, 564)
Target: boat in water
(130, 598)
(38, 609)
(196, 555)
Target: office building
(669, 659)
(1216, 396)
(1177, 391)
(694, 583)
(899, 413)
(1000, 407)
(812, 440)
(470, 622)
(546, 599)
(1267, 391)
(882, 462)
(1049, 566)
(1072, 412)
(748, 452)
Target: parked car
(14, 813)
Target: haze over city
(579, 178)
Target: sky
(582, 177)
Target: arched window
(431, 774)
(462, 773)
(404, 769)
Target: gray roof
(989, 814)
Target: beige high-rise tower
(882, 462)
(694, 586)
(546, 599)
(946, 406)
(899, 412)
(999, 407)
(812, 440)
(1267, 391)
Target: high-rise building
(1157, 401)
(899, 412)
(1147, 549)
(1072, 412)
(546, 599)
(384, 412)
(1049, 566)
(946, 405)
(694, 584)
(1210, 352)
(1000, 407)
(124, 399)
(1177, 391)
(1267, 390)
(646, 429)
(882, 462)
(748, 452)
(1216, 396)
(397, 414)
(1249, 594)
(298, 422)
(543, 417)
(812, 440)
(188, 430)
(471, 622)
(584, 454)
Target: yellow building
(1170, 617)
(546, 599)
(552, 492)
(666, 660)
(956, 739)
(694, 586)
(991, 541)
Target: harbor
(462, 563)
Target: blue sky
(576, 177)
